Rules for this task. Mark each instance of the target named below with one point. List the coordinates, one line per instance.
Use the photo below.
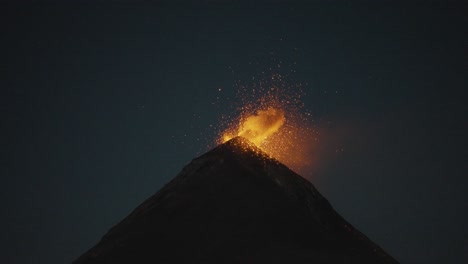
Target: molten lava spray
(274, 119)
(259, 127)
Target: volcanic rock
(235, 204)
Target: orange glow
(260, 126)
(274, 120)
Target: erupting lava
(257, 128)
(274, 120)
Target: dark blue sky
(104, 103)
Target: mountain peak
(235, 204)
(239, 141)
(242, 146)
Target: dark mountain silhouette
(234, 204)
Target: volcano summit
(235, 204)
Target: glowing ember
(274, 120)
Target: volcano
(235, 204)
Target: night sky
(102, 104)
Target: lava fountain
(274, 120)
(260, 126)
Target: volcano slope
(235, 204)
